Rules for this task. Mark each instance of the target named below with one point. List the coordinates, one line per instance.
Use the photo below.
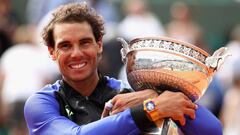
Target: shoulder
(114, 83)
(46, 91)
(42, 102)
(43, 95)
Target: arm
(127, 100)
(176, 106)
(205, 123)
(169, 104)
(191, 120)
(42, 116)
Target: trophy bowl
(163, 63)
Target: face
(76, 51)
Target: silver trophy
(162, 63)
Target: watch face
(150, 106)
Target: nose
(76, 52)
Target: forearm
(205, 123)
(42, 116)
(129, 122)
(127, 100)
(118, 124)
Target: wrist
(150, 109)
(141, 119)
(149, 93)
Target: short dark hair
(71, 13)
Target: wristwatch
(150, 110)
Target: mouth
(78, 66)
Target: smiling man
(74, 104)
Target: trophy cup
(162, 63)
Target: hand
(175, 105)
(123, 101)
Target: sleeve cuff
(141, 120)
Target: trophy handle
(215, 61)
(165, 126)
(124, 50)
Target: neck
(85, 87)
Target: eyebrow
(63, 42)
(81, 40)
(86, 39)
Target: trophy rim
(170, 40)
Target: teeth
(78, 66)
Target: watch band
(151, 110)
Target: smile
(78, 66)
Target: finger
(121, 107)
(182, 121)
(107, 108)
(117, 111)
(184, 96)
(117, 105)
(108, 105)
(119, 101)
(117, 98)
(116, 102)
(105, 113)
(114, 99)
(192, 105)
(190, 113)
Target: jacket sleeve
(43, 118)
(205, 123)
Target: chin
(80, 77)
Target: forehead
(72, 26)
(72, 30)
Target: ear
(52, 53)
(100, 46)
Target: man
(74, 104)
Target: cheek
(58, 54)
(97, 57)
(60, 58)
(92, 53)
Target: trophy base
(191, 83)
(172, 128)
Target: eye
(86, 42)
(64, 46)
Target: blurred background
(25, 65)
